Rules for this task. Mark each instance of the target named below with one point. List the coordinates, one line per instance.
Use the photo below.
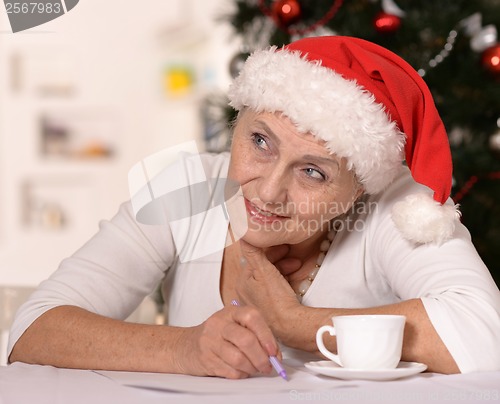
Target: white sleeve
(457, 290)
(110, 275)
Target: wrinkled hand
(276, 255)
(234, 343)
(262, 284)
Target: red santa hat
(371, 108)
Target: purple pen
(273, 359)
(278, 367)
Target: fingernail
(267, 370)
(271, 349)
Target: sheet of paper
(298, 379)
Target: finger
(288, 265)
(255, 265)
(277, 256)
(235, 358)
(250, 318)
(221, 368)
(230, 373)
(253, 255)
(246, 353)
(254, 259)
(277, 252)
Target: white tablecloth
(25, 384)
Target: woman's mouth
(260, 215)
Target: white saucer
(329, 368)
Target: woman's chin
(262, 239)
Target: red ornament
(491, 59)
(386, 23)
(286, 12)
(302, 31)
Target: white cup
(365, 341)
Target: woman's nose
(273, 185)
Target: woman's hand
(262, 285)
(234, 343)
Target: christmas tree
(451, 43)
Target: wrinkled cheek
(241, 172)
(319, 212)
(313, 225)
(331, 210)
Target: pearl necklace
(323, 250)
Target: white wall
(112, 53)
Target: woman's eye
(259, 141)
(313, 173)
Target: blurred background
(82, 99)
(87, 95)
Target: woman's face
(291, 184)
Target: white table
(25, 384)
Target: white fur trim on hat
(423, 220)
(321, 101)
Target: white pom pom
(423, 220)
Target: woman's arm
(263, 286)
(110, 275)
(71, 337)
(74, 319)
(233, 343)
(421, 342)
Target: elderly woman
(333, 223)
